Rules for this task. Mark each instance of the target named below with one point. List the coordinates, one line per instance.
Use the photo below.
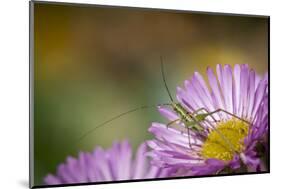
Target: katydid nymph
(191, 120)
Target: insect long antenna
(164, 79)
(117, 117)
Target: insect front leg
(172, 122)
(181, 129)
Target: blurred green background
(92, 63)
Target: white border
(14, 92)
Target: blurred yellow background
(92, 63)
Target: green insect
(191, 120)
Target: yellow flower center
(226, 140)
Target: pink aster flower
(227, 143)
(113, 164)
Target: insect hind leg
(231, 114)
(216, 130)
(199, 110)
(205, 112)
